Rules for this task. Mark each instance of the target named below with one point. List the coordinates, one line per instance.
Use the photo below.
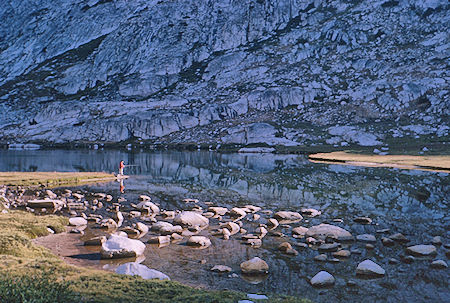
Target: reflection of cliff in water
(287, 181)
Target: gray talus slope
(279, 72)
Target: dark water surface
(415, 203)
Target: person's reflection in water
(122, 186)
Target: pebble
(343, 253)
(363, 220)
(439, 264)
(370, 246)
(436, 240)
(257, 297)
(366, 238)
(421, 250)
(329, 247)
(407, 259)
(399, 238)
(221, 268)
(369, 268)
(387, 241)
(393, 261)
(320, 258)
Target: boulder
(96, 241)
(46, 203)
(51, 194)
(238, 212)
(310, 212)
(159, 240)
(322, 279)
(273, 223)
(143, 229)
(121, 247)
(254, 266)
(191, 219)
(253, 208)
(220, 211)
(288, 215)
(77, 221)
(136, 269)
(199, 241)
(144, 198)
(232, 227)
(421, 250)
(369, 268)
(322, 231)
(148, 206)
(366, 238)
(439, 264)
(299, 232)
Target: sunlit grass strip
(433, 163)
(52, 178)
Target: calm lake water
(415, 203)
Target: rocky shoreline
(118, 229)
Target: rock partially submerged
(288, 216)
(46, 203)
(322, 231)
(199, 241)
(121, 247)
(421, 250)
(136, 269)
(369, 268)
(322, 279)
(77, 221)
(254, 266)
(191, 219)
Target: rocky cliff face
(286, 72)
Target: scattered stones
(136, 269)
(191, 219)
(77, 221)
(363, 220)
(255, 265)
(439, 264)
(369, 268)
(322, 279)
(421, 250)
(199, 241)
(221, 268)
(366, 238)
(121, 247)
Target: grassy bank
(51, 179)
(29, 273)
(434, 163)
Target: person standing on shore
(121, 167)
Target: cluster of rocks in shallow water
(127, 224)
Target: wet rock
(238, 212)
(261, 231)
(136, 269)
(168, 230)
(393, 261)
(158, 225)
(299, 232)
(108, 224)
(168, 214)
(329, 247)
(370, 246)
(369, 268)
(343, 253)
(198, 241)
(334, 260)
(131, 231)
(301, 245)
(322, 279)
(221, 268)
(256, 217)
(254, 266)
(77, 221)
(109, 198)
(439, 264)
(226, 233)
(272, 223)
(51, 194)
(323, 231)
(257, 297)
(141, 227)
(159, 240)
(387, 241)
(208, 214)
(254, 242)
(176, 237)
(407, 259)
(232, 227)
(95, 241)
(310, 212)
(253, 208)
(398, 237)
(134, 214)
(191, 219)
(121, 247)
(120, 234)
(220, 211)
(382, 231)
(144, 198)
(287, 249)
(321, 258)
(46, 203)
(363, 220)
(312, 241)
(421, 250)
(288, 215)
(366, 238)
(148, 206)
(436, 241)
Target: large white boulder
(191, 219)
(121, 247)
(77, 221)
(136, 269)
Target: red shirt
(121, 165)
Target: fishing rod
(131, 165)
